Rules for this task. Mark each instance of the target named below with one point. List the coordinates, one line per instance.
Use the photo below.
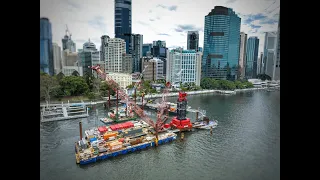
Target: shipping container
(115, 146)
(107, 135)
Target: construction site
(129, 129)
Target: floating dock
(62, 112)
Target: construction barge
(106, 142)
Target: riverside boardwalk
(58, 112)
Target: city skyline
(153, 20)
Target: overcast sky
(167, 20)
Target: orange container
(107, 135)
(115, 146)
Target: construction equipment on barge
(106, 142)
(158, 126)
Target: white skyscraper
(184, 66)
(115, 51)
(57, 60)
(269, 52)
(276, 72)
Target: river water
(245, 145)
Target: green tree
(89, 80)
(96, 85)
(130, 86)
(75, 73)
(48, 86)
(238, 84)
(73, 86)
(104, 88)
(205, 83)
(60, 75)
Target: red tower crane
(158, 126)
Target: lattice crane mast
(123, 96)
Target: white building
(184, 66)
(115, 50)
(269, 53)
(68, 70)
(276, 68)
(57, 60)
(123, 79)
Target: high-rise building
(269, 52)
(46, 50)
(136, 42)
(90, 56)
(159, 43)
(221, 44)
(69, 58)
(159, 49)
(146, 49)
(252, 58)
(242, 56)
(184, 66)
(276, 73)
(102, 47)
(115, 54)
(153, 68)
(193, 40)
(57, 60)
(122, 22)
(127, 62)
(200, 49)
(67, 43)
(259, 64)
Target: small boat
(205, 124)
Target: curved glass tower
(46, 51)
(221, 44)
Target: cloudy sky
(167, 20)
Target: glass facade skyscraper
(46, 50)
(122, 22)
(252, 58)
(146, 48)
(221, 44)
(193, 40)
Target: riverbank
(86, 101)
(226, 92)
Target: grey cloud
(142, 23)
(253, 17)
(73, 4)
(151, 19)
(187, 27)
(158, 18)
(230, 1)
(150, 11)
(269, 21)
(170, 8)
(182, 34)
(255, 27)
(164, 34)
(98, 23)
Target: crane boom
(123, 96)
